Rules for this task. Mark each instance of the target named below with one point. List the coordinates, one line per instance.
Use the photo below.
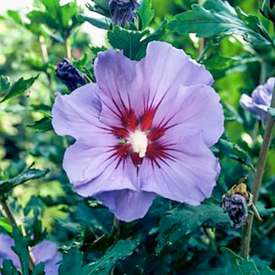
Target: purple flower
(69, 75)
(123, 11)
(45, 252)
(236, 207)
(144, 129)
(260, 100)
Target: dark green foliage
(186, 219)
(172, 238)
(42, 125)
(8, 268)
(146, 13)
(26, 175)
(73, 264)
(21, 249)
(233, 151)
(134, 43)
(243, 266)
(217, 17)
(121, 250)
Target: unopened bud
(123, 11)
(69, 75)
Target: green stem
(12, 220)
(68, 49)
(43, 48)
(8, 212)
(258, 176)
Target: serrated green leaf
(185, 219)
(242, 266)
(19, 87)
(233, 151)
(216, 18)
(146, 13)
(126, 40)
(8, 268)
(42, 125)
(121, 250)
(21, 249)
(134, 43)
(26, 175)
(73, 264)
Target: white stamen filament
(139, 142)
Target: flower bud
(268, 9)
(69, 75)
(236, 207)
(123, 11)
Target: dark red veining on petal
(136, 159)
(156, 151)
(146, 119)
(120, 132)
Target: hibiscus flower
(143, 129)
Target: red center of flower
(137, 138)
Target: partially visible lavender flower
(236, 207)
(69, 75)
(45, 252)
(123, 11)
(260, 100)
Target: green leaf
(73, 264)
(36, 231)
(26, 175)
(126, 40)
(21, 249)
(155, 36)
(15, 15)
(39, 269)
(8, 268)
(102, 23)
(19, 87)
(5, 224)
(233, 151)
(267, 271)
(242, 266)
(146, 13)
(121, 250)
(185, 219)
(217, 18)
(5, 84)
(134, 43)
(42, 125)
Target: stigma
(139, 142)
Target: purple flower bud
(260, 100)
(236, 207)
(123, 11)
(69, 75)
